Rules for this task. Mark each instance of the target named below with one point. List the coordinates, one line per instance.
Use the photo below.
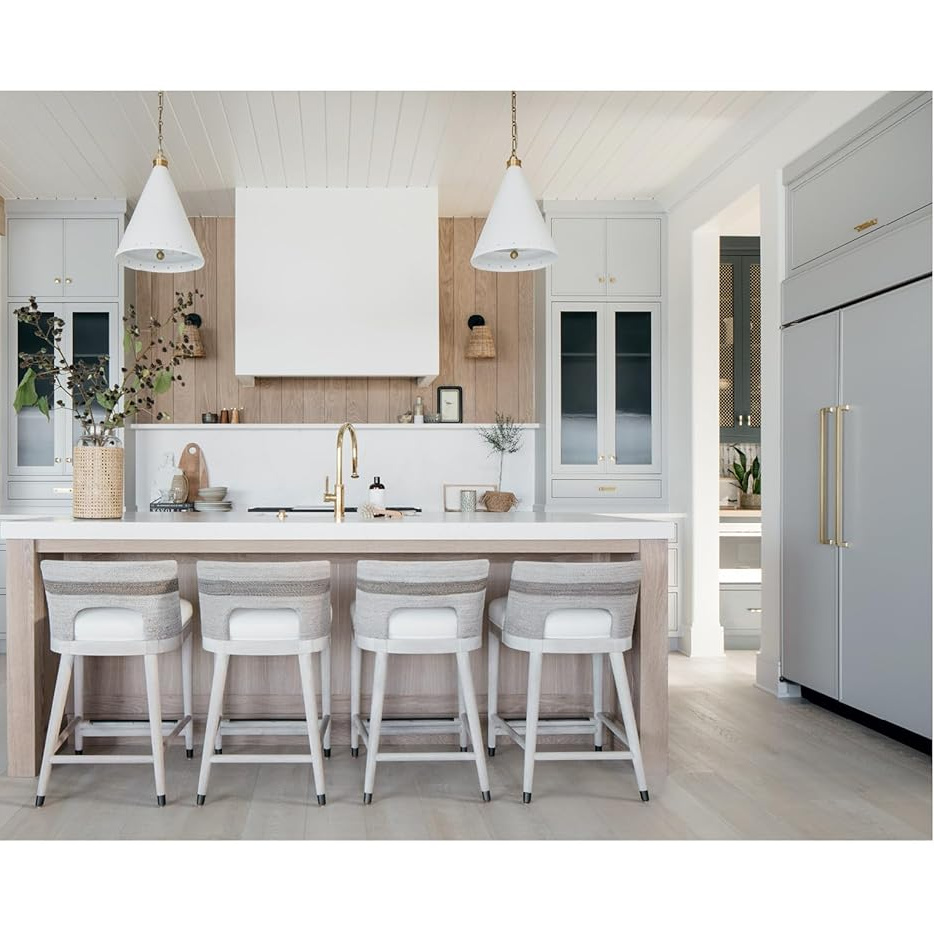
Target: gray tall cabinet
(856, 416)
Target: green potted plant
(101, 408)
(749, 480)
(505, 436)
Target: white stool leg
(356, 660)
(326, 696)
(618, 665)
(78, 689)
(473, 718)
(309, 690)
(597, 700)
(186, 696)
(492, 690)
(531, 722)
(461, 708)
(55, 723)
(214, 717)
(376, 722)
(154, 701)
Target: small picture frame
(451, 404)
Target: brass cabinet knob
(67, 459)
(58, 459)
(612, 279)
(67, 281)
(57, 281)
(612, 458)
(601, 279)
(601, 458)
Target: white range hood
(337, 282)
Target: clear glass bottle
(419, 413)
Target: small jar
(235, 415)
(419, 415)
(468, 501)
(179, 487)
(225, 416)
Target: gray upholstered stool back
(303, 587)
(383, 586)
(537, 589)
(149, 588)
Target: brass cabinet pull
(61, 490)
(866, 224)
(822, 476)
(838, 503)
(606, 488)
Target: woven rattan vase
(98, 482)
(498, 501)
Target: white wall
(286, 464)
(694, 351)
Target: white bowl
(213, 493)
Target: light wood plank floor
(743, 765)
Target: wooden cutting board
(192, 465)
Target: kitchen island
(269, 687)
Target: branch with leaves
(746, 474)
(100, 407)
(505, 436)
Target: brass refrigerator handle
(838, 479)
(822, 476)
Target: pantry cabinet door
(91, 269)
(580, 268)
(35, 257)
(634, 257)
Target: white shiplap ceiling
(574, 145)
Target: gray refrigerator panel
(885, 379)
(809, 568)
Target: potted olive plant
(749, 479)
(503, 437)
(151, 360)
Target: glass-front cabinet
(40, 446)
(607, 390)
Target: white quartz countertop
(519, 526)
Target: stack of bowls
(212, 498)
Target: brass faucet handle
(328, 495)
(355, 475)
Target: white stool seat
(117, 624)
(564, 622)
(263, 624)
(419, 622)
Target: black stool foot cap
(200, 799)
(598, 747)
(491, 752)
(322, 799)
(526, 797)
(485, 796)
(463, 750)
(79, 750)
(327, 752)
(367, 798)
(189, 753)
(218, 750)
(39, 801)
(160, 800)
(355, 752)
(645, 795)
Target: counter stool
(114, 609)
(567, 608)
(267, 610)
(417, 608)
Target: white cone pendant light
(514, 237)
(159, 237)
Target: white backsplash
(286, 464)
(728, 455)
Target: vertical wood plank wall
(505, 383)
(2, 218)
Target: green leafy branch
(100, 407)
(746, 474)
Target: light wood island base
(269, 687)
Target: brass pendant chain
(514, 158)
(160, 158)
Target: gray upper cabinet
(607, 257)
(72, 258)
(864, 187)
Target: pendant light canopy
(514, 237)
(159, 237)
